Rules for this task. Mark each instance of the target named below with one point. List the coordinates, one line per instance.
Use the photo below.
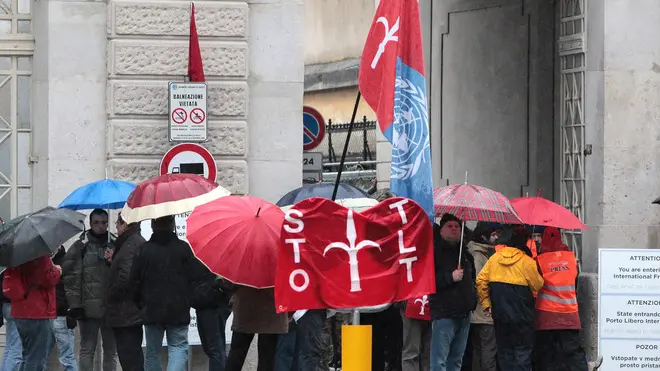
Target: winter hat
(535, 229)
(449, 218)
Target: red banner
(419, 308)
(334, 257)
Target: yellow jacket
(511, 275)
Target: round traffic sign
(197, 116)
(313, 128)
(179, 115)
(189, 158)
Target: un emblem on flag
(410, 135)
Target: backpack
(13, 286)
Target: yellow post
(355, 348)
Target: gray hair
(383, 194)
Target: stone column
(623, 127)
(276, 97)
(69, 82)
(622, 96)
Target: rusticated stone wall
(147, 48)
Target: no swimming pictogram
(179, 115)
(197, 116)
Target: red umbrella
(169, 194)
(471, 202)
(237, 237)
(539, 211)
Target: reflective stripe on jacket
(559, 269)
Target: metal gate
(572, 55)
(16, 50)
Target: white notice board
(187, 112)
(629, 309)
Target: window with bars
(572, 50)
(15, 17)
(15, 108)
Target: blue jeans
(177, 347)
(11, 361)
(37, 339)
(65, 340)
(448, 341)
(285, 356)
(211, 328)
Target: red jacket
(40, 276)
(544, 320)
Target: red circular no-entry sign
(189, 158)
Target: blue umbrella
(323, 190)
(104, 194)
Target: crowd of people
(508, 304)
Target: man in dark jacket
(85, 272)
(210, 295)
(121, 312)
(160, 279)
(63, 325)
(455, 296)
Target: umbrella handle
(460, 245)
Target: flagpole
(356, 339)
(348, 139)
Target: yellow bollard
(355, 348)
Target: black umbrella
(323, 190)
(657, 201)
(38, 234)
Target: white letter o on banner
(293, 275)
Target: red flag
(393, 49)
(418, 308)
(334, 257)
(195, 66)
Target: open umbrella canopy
(323, 190)
(38, 234)
(169, 194)
(104, 194)
(539, 211)
(237, 237)
(474, 203)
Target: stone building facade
(83, 93)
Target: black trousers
(129, 347)
(559, 350)
(240, 344)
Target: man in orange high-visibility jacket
(557, 321)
